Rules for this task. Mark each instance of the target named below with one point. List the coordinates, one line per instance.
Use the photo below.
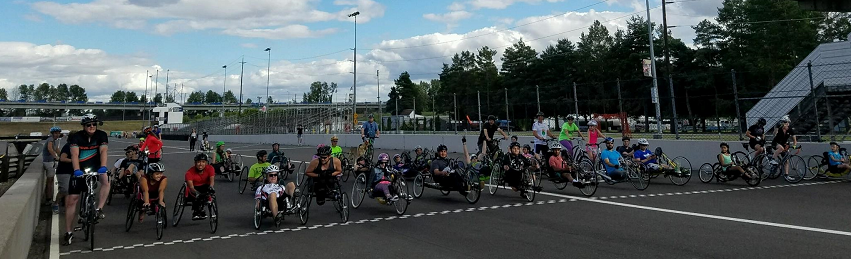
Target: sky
(109, 45)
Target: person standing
(299, 130)
(50, 154)
(193, 137)
(152, 146)
(88, 152)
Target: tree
(158, 99)
(60, 93)
(248, 101)
(409, 92)
(130, 97)
(170, 98)
(78, 93)
(143, 99)
(229, 97)
(42, 92)
(320, 92)
(196, 97)
(118, 96)
(213, 97)
(3, 94)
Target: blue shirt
(370, 129)
(613, 156)
(834, 158)
(642, 155)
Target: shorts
(568, 145)
(653, 166)
(299, 135)
(64, 180)
(77, 186)
(753, 142)
(593, 149)
(541, 148)
(49, 169)
(834, 169)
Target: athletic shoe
(55, 209)
(68, 237)
(394, 198)
(773, 161)
(100, 213)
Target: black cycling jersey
(782, 136)
(756, 130)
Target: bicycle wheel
(343, 203)
(305, 205)
(346, 170)
(587, 175)
(258, 213)
(300, 174)
(474, 191)
(401, 205)
(815, 167)
(495, 180)
(740, 158)
(214, 216)
(529, 188)
(798, 169)
(244, 178)
(752, 181)
(230, 175)
(113, 186)
(179, 205)
(161, 221)
(705, 172)
(131, 214)
(91, 230)
(359, 190)
(682, 171)
(418, 185)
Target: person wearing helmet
(610, 158)
(277, 157)
(336, 150)
(625, 149)
(514, 138)
(780, 142)
(561, 168)
(837, 163)
(567, 132)
(219, 157)
(370, 129)
(323, 171)
(757, 136)
(514, 165)
(647, 157)
(153, 186)
(130, 165)
(442, 173)
(256, 170)
(193, 137)
(399, 164)
(50, 154)
(592, 144)
(487, 134)
(89, 151)
(152, 146)
(199, 183)
(380, 180)
(299, 130)
(526, 151)
(541, 131)
(273, 193)
(141, 142)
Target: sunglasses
(90, 125)
(334, 141)
(324, 157)
(273, 175)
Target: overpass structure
(185, 106)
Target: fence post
(813, 94)
(537, 100)
(830, 121)
(737, 104)
(620, 106)
(456, 114)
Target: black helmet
(442, 147)
(201, 156)
(492, 117)
(261, 153)
(539, 113)
(274, 144)
(526, 146)
(513, 144)
(89, 118)
(156, 167)
(569, 118)
(724, 144)
(761, 121)
(324, 150)
(131, 148)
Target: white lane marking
(719, 190)
(54, 227)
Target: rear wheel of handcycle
(359, 190)
(179, 205)
(161, 221)
(705, 172)
(418, 185)
(529, 182)
(682, 172)
(343, 204)
(537, 173)
(113, 185)
(346, 169)
(587, 175)
(815, 167)
(473, 189)
(244, 179)
(131, 215)
(258, 213)
(798, 169)
(304, 207)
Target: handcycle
(123, 185)
(818, 166)
(469, 186)
(233, 166)
(135, 209)
(183, 200)
(760, 163)
(637, 174)
(528, 185)
(262, 210)
(707, 172)
(790, 162)
(397, 188)
(335, 194)
(679, 172)
(88, 203)
(281, 162)
(581, 170)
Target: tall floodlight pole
(147, 75)
(224, 83)
(355, 66)
(268, 64)
(240, 102)
(167, 86)
(655, 94)
(156, 84)
(379, 101)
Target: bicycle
(492, 159)
(759, 162)
(368, 154)
(528, 187)
(790, 161)
(88, 215)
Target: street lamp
(355, 66)
(224, 81)
(268, 63)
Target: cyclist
(130, 164)
(757, 136)
(199, 184)
(557, 164)
(527, 152)
(336, 150)
(625, 150)
(219, 158)
(277, 156)
(441, 170)
(782, 135)
(514, 138)
(380, 180)
(370, 129)
(610, 158)
(141, 142)
(541, 130)
(487, 134)
(153, 182)
(157, 132)
(50, 154)
(89, 150)
(399, 164)
(837, 163)
(274, 193)
(727, 164)
(63, 175)
(568, 130)
(323, 170)
(514, 165)
(257, 169)
(592, 145)
(648, 158)
(152, 145)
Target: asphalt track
(716, 220)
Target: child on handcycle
(153, 187)
(837, 163)
(380, 180)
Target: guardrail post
(21, 165)
(4, 170)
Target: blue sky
(105, 45)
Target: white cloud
(502, 4)
(249, 45)
(451, 19)
(286, 32)
(456, 6)
(33, 17)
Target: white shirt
(541, 128)
(267, 189)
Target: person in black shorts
(782, 134)
(299, 130)
(487, 134)
(757, 136)
(88, 152)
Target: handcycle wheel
(131, 215)
(705, 172)
(815, 167)
(343, 203)
(529, 190)
(113, 184)
(587, 175)
(798, 169)
(419, 185)
(359, 190)
(161, 221)
(740, 158)
(755, 181)
(179, 205)
(214, 215)
(401, 189)
(639, 177)
(474, 191)
(304, 206)
(494, 181)
(682, 171)
(258, 213)
(346, 170)
(300, 173)
(244, 178)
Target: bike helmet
(229, 150)
(441, 147)
(539, 113)
(220, 143)
(147, 130)
(418, 148)
(383, 157)
(201, 156)
(492, 117)
(396, 156)
(761, 121)
(625, 138)
(89, 118)
(592, 122)
(569, 118)
(261, 153)
(643, 141)
(323, 150)
(555, 146)
(526, 146)
(334, 138)
(131, 148)
(156, 167)
(513, 144)
(274, 144)
(272, 168)
(141, 139)
(55, 129)
(724, 144)
(785, 119)
(609, 140)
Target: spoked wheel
(359, 190)
(705, 172)
(639, 178)
(798, 169)
(230, 175)
(304, 206)
(300, 174)
(161, 221)
(131, 215)
(214, 216)
(92, 220)
(401, 188)
(258, 213)
(815, 167)
(346, 170)
(560, 185)
(537, 173)
(445, 192)
(494, 181)
(740, 158)
(682, 171)
(179, 204)
(529, 182)
(752, 181)
(244, 179)
(343, 203)
(474, 191)
(419, 185)
(587, 175)
(113, 186)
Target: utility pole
(167, 87)
(434, 113)
(156, 84)
(537, 100)
(506, 97)
(224, 83)
(669, 69)
(576, 106)
(240, 103)
(737, 104)
(379, 101)
(456, 113)
(479, 109)
(655, 97)
(268, 64)
(355, 66)
(148, 76)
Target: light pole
(268, 63)
(379, 101)
(224, 82)
(655, 97)
(355, 66)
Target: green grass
(25, 128)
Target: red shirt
(202, 178)
(154, 146)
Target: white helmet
(592, 122)
(556, 145)
(785, 119)
(272, 168)
(643, 141)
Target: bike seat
(745, 145)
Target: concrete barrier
(20, 208)
(697, 152)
